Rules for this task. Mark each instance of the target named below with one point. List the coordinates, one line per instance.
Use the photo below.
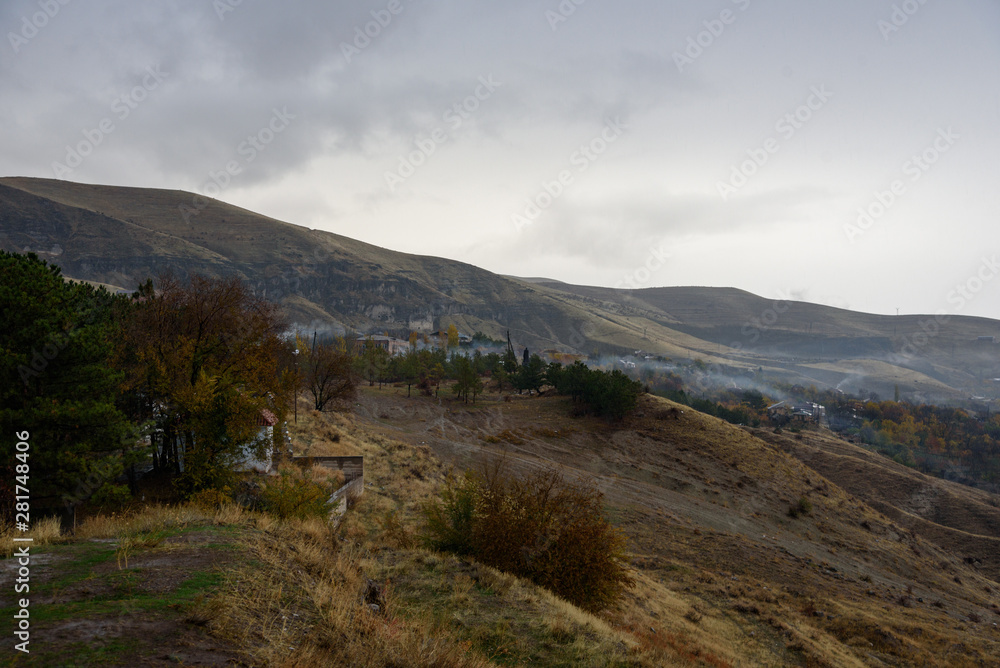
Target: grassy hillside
(784, 551)
(709, 508)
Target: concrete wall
(354, 479)
(353, 467)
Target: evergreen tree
(531, 375)
(467, 381)
(58, 384)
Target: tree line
(177, 378)
(944, 441)
(610, 394)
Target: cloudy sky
(838, 152)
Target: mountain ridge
(121, 235)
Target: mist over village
(446, 334)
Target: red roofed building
(251, 461)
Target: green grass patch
(200, 582)
(112, 652)
(125, 600)
(73, 563)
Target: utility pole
(295, 398)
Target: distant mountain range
(120, 236)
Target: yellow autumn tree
(206, 354)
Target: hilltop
(120, 236)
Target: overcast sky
(632, 143)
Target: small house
(390, 344)
(251, 459)
(784, 412)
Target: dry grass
(145, 529)
(42, 532)
(508, 619)
(724, 576)
(302, 603)
(158, 517)
(474, 606)
(706, 506)
(319, 434)
(325, 475)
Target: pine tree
(58, 384)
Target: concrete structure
(789, 411)
(352, 467)
(390, 344)
(251, 460)
(354, 479)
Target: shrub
(803, 507)
(543, 528)
(448, 522)
(211, 499)
(296, 495)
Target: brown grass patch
(303, 603)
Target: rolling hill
(121, 236)
(884, 566)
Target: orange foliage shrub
(542, 527)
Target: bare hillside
(796, 565)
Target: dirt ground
(92, 608)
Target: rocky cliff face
(121, 237)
